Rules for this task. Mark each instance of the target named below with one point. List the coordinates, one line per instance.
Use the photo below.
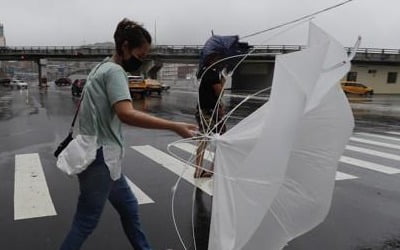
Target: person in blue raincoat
(210, 109)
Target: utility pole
(2, 43)
(155, 32)
(2, 37)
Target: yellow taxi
(137, 84)
(153, 86)
(356, 88)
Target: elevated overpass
(177, 53)
(257, 67)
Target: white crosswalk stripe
(379, 136)
(342, 176)
(141, 196)
(32, 197)
(31, 194)
(392, 133)
(190, 148)
(177, 167)
(369, 165)
(376, 143)
(373, 152)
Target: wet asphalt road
(365, 211)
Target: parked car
(18, 84)
(5, 82)
(77, 87)
(165, 87)
(63, 82)
(356, 88)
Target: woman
(105, 105)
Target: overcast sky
(180, 22)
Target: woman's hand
(127, 114)
(186, 130)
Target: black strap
(77, 111)
(83, 93)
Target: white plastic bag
(78, 155)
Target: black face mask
(132, 64)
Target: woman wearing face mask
(106, 104)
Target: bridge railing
(162, 49)
(56, 50)
(273, 48)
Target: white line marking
(379, 136)
(140, 195)
(175, 166)
(342, 176)
(369, 165)
(381, 144)
(393, 133)
(190, 148)
(31, 194)
(373, 152)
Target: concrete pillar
(42, 66)
(151, 68)
(39, 71)
(253, 76)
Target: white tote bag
(78, 155)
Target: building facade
(172, 72)
(384, 79)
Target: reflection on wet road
(378, 112)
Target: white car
(18, 84)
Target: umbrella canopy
(275, 170)
(224, 46)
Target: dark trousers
(208, 120)
(96, 186)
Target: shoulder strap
(83, 94)
(77, 111)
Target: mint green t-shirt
(106, 85)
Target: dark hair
(134, 33)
